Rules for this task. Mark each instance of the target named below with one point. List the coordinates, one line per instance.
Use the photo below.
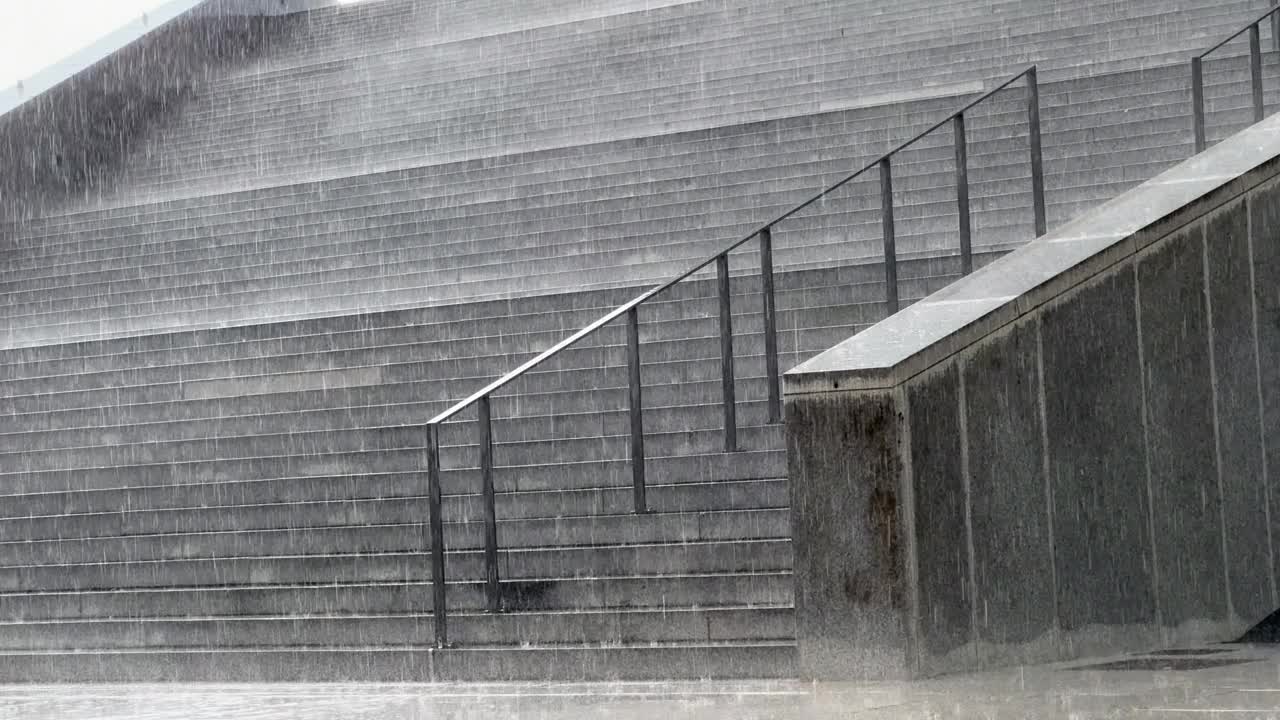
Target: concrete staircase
(216, 370)
(387, 89)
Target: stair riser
(539, 394)
(467, 630)
(279, 164)
(675, 72)
(756, 662)
(392, 242)
(539, 452)
(745, 558)
(252, 532)
(299, 298)
(447, 322)
(581, 475)
(633, 592)
(406, 489)
(414, 354)
(794, 308)
(563, 374)
(611, 420)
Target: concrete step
(316, 493)
(399, 597)
(582, 369)
(181, 204)
(529, 105)
(419, 133)
(813, 24)
(342, 334)
(427, 358)
(1052, 150)
(537, 132)
(580, 475)
(527, 564)
(385, 158)
(922, 168)
(307, 529)
(832, 285)
(710, 496)
(508, 453)
(466, 629)
(334, 293)
(144, 286)
(417, 290)
(373, 142)
(723, 660)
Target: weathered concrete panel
(1008, 502)
(1185, 500)
(1264, 222)
(1146, 432)
(1239, 416)
(945, 611)
(844, 468)
(1097, 468)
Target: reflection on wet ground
(1249, 689)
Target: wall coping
(954, 318)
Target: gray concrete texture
(1225, 681)
(219, 348)
(1072, 444)
(477, 199)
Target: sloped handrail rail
(1254, 29)
(481, 398)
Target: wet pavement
(1224, 682)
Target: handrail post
(637, 410)
(1037, 157)
(770, 325)
(1275, 26)
(1197, 102)
(962, 196)
(890, 242)
(439, 614)
(491, 591)
(1255, 69)
(726, 356)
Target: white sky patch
(35, 34)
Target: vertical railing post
(726, 356)
(637, 410)
(770, 325)
(1255, 69)
(1275, 27)
(493, 600)
(1197, 102)
(962, 195)
(1037, 157)
(890, 242)
(439, 613)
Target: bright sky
(37, 33)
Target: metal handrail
(481, 398)
(1254, 28)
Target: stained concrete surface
(1148, 422)
(1015, 590)
(1247, 688)
(945, 604)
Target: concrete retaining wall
(1064, 454)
